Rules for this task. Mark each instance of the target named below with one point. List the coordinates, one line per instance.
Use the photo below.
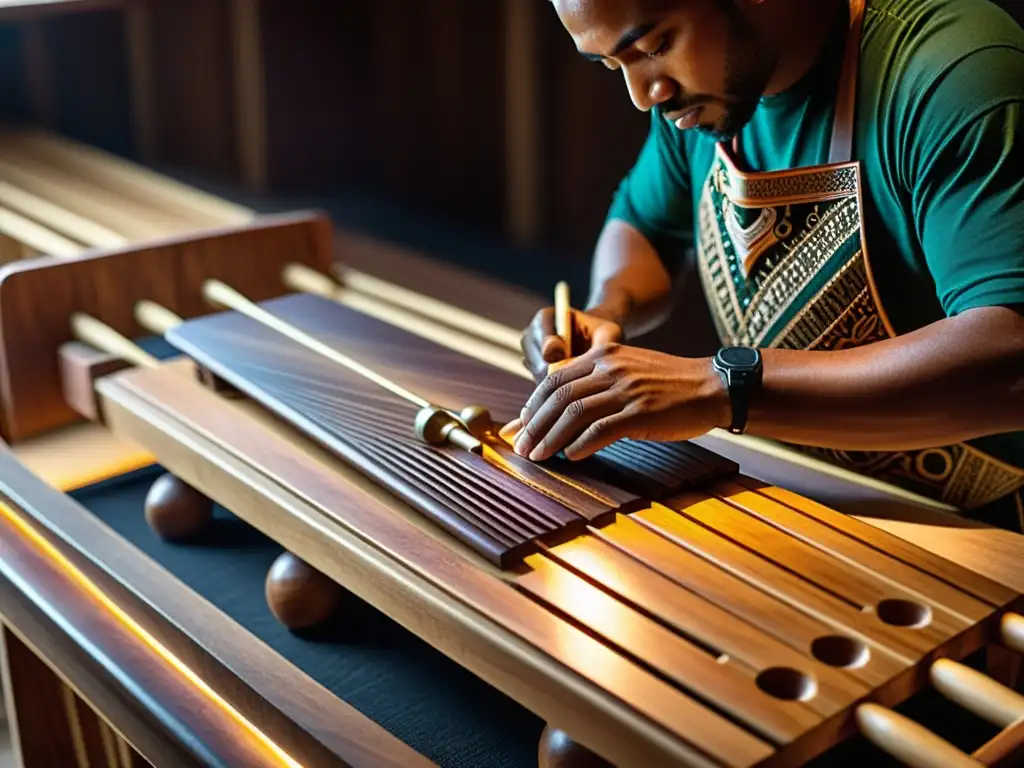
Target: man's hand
(542, 346)
(614, 391)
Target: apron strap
(841, 150)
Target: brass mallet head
(437, 426)
(477, 420)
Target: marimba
(656, 604)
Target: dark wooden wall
(403, 100)
(407, 99)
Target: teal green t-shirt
(940, 136)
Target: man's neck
(799, 29)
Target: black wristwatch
(740, 369)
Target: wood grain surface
(390, 556)
(498, 502)
(745, 634)
(38, 297)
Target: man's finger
(574, 421)
(552, 349)
(574, 369)
(606, 333)
(566, 398)
(599, 434)
(510, 430)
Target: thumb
(606, 333)
(552, 349)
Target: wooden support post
(524, 204)
(142, 73)
(250, 93)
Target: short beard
(749, 63)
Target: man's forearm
(629, 282)
(957, 379)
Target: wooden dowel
(155, 318)
(100, 335)
(217, 292)
(432, 308)
(909, 742)
(977, 693)
(1005, 749)
(299, 277)
(36, 237)
(1011, 627)
(563, 316)
(58, 219)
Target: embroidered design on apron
(783, 261)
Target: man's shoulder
(933, 68)
(964, 24)
(971, 48)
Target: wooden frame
(50, 544)
(169, 271)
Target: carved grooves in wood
(347, 424)
(494, 505)
(664, 468)
(638, 586)
(362, 423)
(652, 470)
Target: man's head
(703, 63)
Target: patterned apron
(783, 262)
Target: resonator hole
(840, 651)
(904, 613)
(786, 683)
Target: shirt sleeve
(968, 181)
(654, 197)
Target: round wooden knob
(557, 750)
(299, 595)
(175, 510)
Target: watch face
(738, 357)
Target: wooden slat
(155, 191)
(781, 619)
(776, 578)
(864, 590)
(727, 686)
(969, 581)
(128, 216)
(850, 552)
(1005, 749)
(705, 622)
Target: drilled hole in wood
(903, 613)
(787, 683)
(840, 651)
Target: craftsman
(851, 181)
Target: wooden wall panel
(194, 103)
(391, 97)
(594, 135)
(88, 77)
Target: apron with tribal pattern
(783, 262)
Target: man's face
(701, 62)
